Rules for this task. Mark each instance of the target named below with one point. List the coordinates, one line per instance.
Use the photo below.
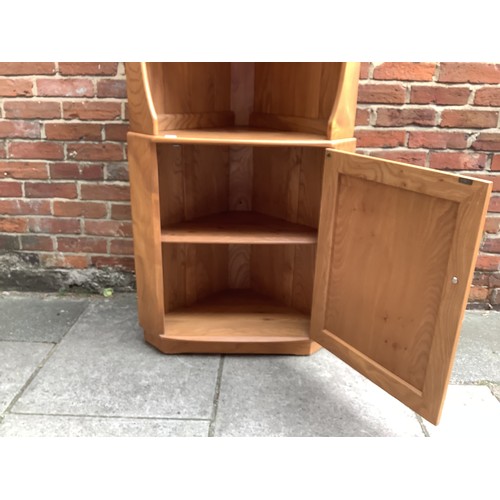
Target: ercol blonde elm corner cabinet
(258, 230)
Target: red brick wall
(64, 196)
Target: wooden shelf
(237, 316)
(243, 136)
(239, 227)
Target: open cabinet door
(397, 246)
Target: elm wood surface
(405, 232)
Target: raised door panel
(396, 252)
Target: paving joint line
(422, 425)
(53, 342)
(123, 417)
(215, 404)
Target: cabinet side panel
(171, 180)
(143, 172)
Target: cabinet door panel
(396, 252)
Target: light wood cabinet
(258, 230)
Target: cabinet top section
(243, 103)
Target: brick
(116, 172)
(115, 262)
(364, 70)
(27, 68)
(464, 118)
(108, 228)
(32, 109)
(405, 156)
(35, 242)
(65, 87)
(3, 150)
(381, 93)
(362, 117)
(13, 225)
(73, 131)
(52, 225)
(481, 279)
(9, 242)
(23, 170)
(92, 110)
(380, 138)
(469, 72)
(433, 139)
(64, 261)
(10, 189)
(495, 162)
(397, 117)
(50, 190)
(20, 129)
(487, 96)
(16, 87)
(69, 170)
(88, 68)
(429, 94)
(478, 293)
(36, 150)
(491, 245)
(494, 205)
(121, 247)
(25, 207)
(81, 245)
(116, 132)
(418, 71)
(90, 210)
(112, 88)
(457, 160)
(121, 212)
(495, 179)
(494, 280)
(487, 141)
(95, 151)
(105, 192)
(492, 224)
(495, 297)
(488, 262)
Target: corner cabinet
(258, 230)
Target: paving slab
(18, 361)
(103, 367)
(316, 395)
(67, 426)
(37, 317)
(495, 389)
(478, 352)
(470, 411)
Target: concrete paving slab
(63, 426)
(470, 411)
(103, 367)
(18, 361)
(37, 317)
(478, 352)
(495, 389)
(317, 395)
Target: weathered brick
(494, 281)
(380, 138)
(488, 262)
(105, 192)
(92, 110)
(364, 70)
(50, 190)
(65, 87)
(10, 189)
(16, 87)
(469, 72)
(73, 131)
(28, 109)
(468, 118)
(492, 224)
(487, 141)
(9, 242)
(429, 94)
(434, 139)
(116, 172)
(3, 150)
(480, 278)
(487, 96)
(115, 262)
(362, 117)
(494, 205)
(90, 210)
(397, 117)
(491, 245)
(112, 88)
(38, 150)
(19, 129)
(495, 297)
(381, 93)
(122, 247)
(13, 225)
(64, 261)
(81, 245)
(72, 170)
(495, 163)
(36, 242)
(457, 160)
(27, 68)
(102, 151)
(23, 170)
(116, 132)
(121, 211)
(402, 155)
(478, 293)
(52, 225)
(24, 207)
(417, 71)
(108, 228)
(88, 68)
